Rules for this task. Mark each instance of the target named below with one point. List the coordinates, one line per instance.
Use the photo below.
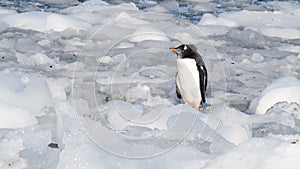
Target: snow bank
(284, 89)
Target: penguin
(191, 78)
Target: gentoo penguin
(191, 79)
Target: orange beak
(173, 49)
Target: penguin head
(183, 51)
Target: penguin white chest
(188, 83)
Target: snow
(98, 79)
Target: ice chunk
(283, 6)
(234, 134)
(229, 123)
(124, 20)
(61, 22)
(170, 5)
(261, 19)
(23, 59)
(6, 12)
(281, 119)
(138, 92)
(36, 150)
(124, 45)
(270, 152)
(150, 2)
(3, 26)
(157, 8)
(10, 152)
(81, 156)
(105, 60)
(60, 3)
(31, 95)
(285, 33)
(148, 33)
(284, 89)
(122, 114)
(58, 88)
(209, 19)
(42, 59)
(13, 117)
(204, 7)
(41, 21)
(256, 57)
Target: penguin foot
(205, 105)
(53, 145)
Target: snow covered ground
(98, 79)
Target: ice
(126, 21)
(98, 79)
(285, 33)
(210, 19)
(256, 57)
(32, 95)
(41, 21)
(37, 153)
(170, 5)
(269, 19)
(144, 33)
(42, 59)
(10, 153)
(204, 7)
(270, 23)
(231, 124)
(283, 6)
(14, 117)
(60, 23)
(60, 2)
(155, 118)
(82, 156)
(277, 121)
(138, 92)
(284, 89)
(259, 153)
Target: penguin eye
(185, 47)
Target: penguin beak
(174, 50)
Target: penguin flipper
(178, 92)
(203, 82)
